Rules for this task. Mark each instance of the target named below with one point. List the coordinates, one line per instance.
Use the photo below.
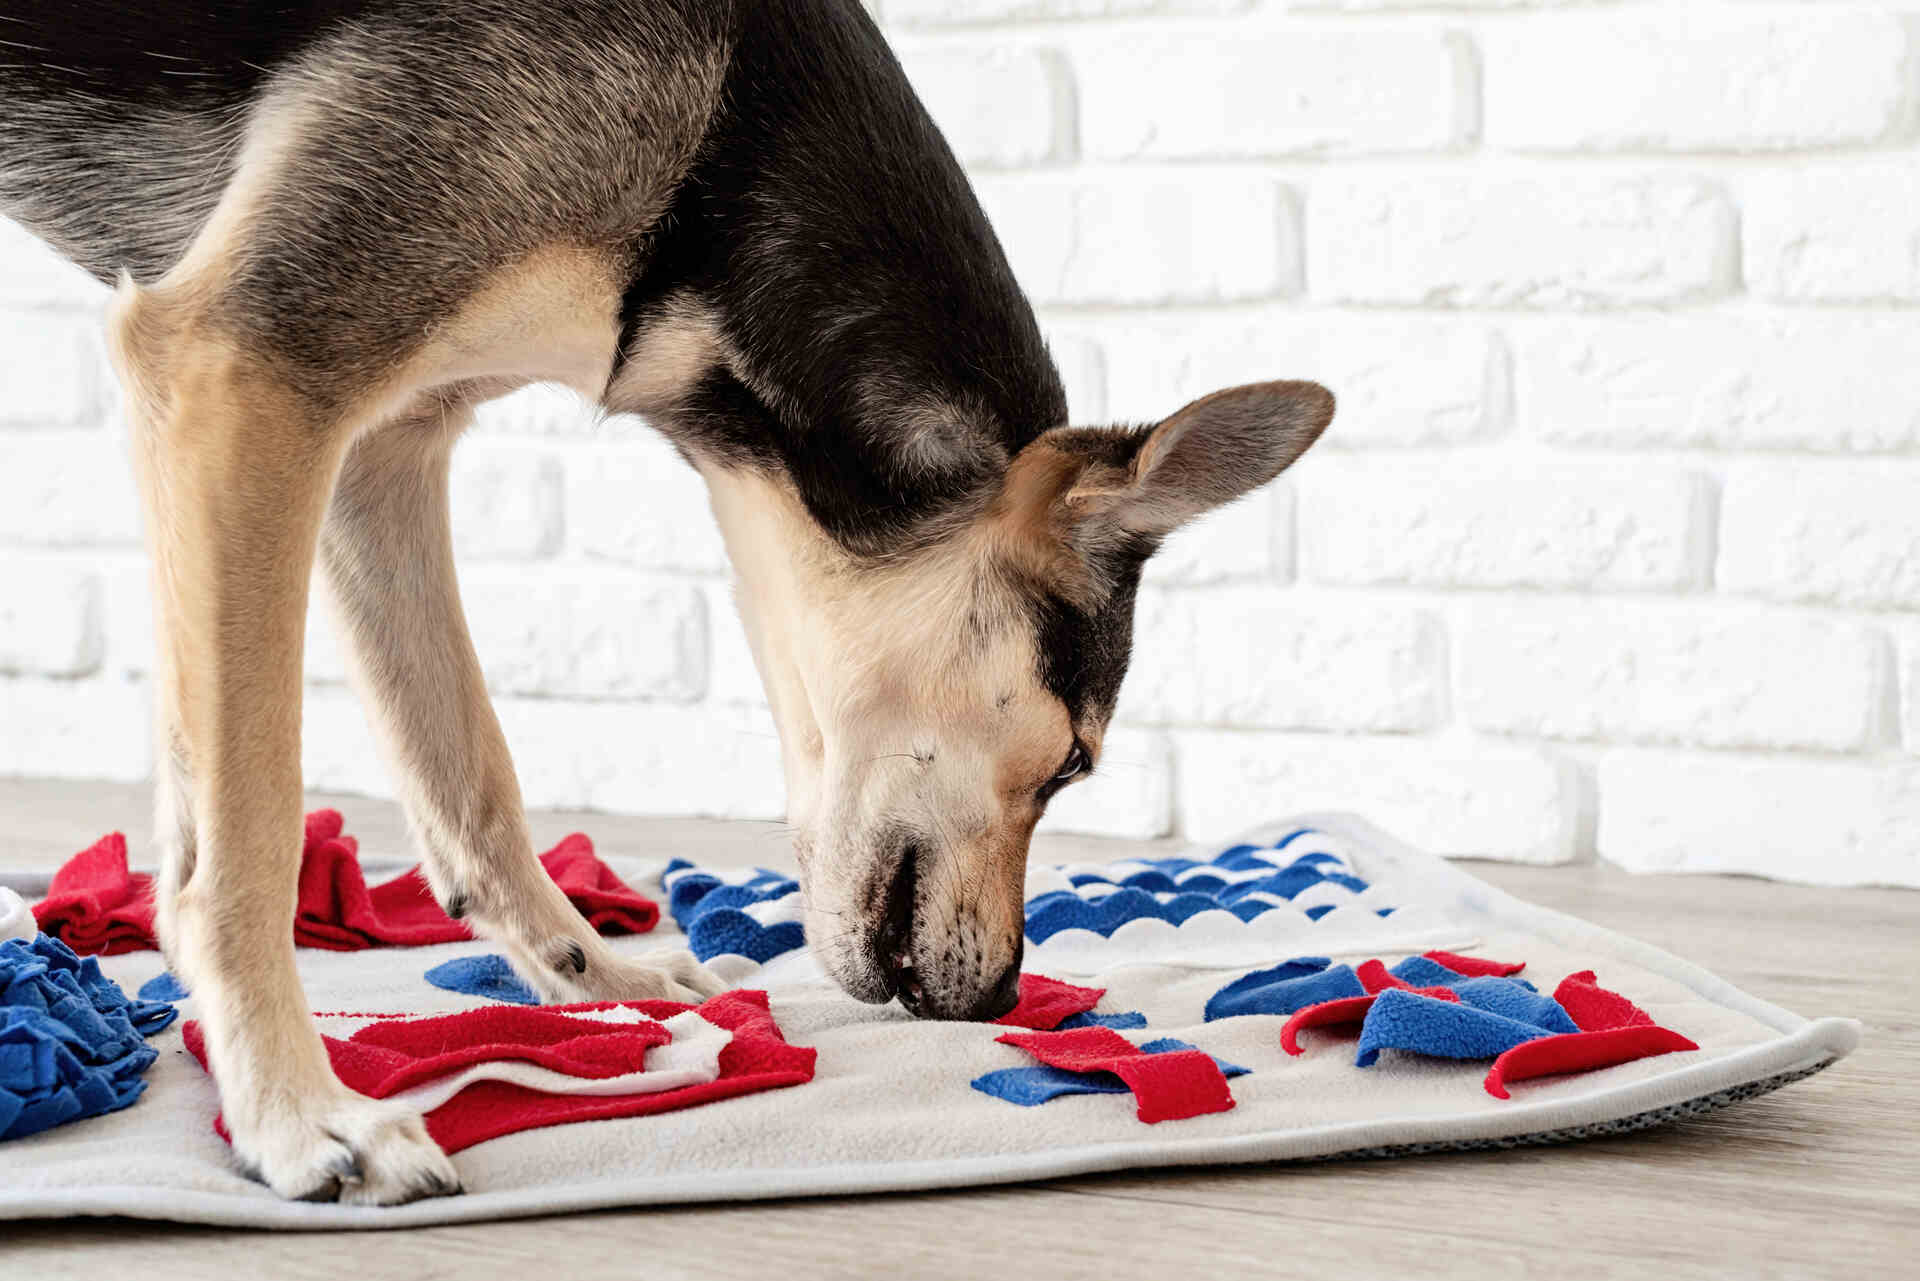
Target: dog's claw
(356, 1150)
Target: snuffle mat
(1312, 989)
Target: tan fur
(666, 358)
(906, 695)
(237, 472)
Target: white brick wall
(1614, 548)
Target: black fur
(851, 266)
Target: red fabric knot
(1045, 1003)
(1593, 1008)
(392, 1054)
(1473, 967)
(1613, 1030)
(95, 905)
(1166, 1087)
(1350, 1009)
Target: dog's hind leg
(235, 466)
(388, 555)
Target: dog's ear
(1075, 490)
(1206, 455)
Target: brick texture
(1613, 549)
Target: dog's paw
(344, 1147)
(570, 972)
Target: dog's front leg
(388, 554)
(235, 468)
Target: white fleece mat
(891, 1106)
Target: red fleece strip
(1593, 1008)
(1166, 1087)
(1581, 1052)
(385, 1057)
(1376, 977)
(1349, 1009)
(96, 906)
(1474, 967)
(1045, 1003)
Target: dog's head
(930, 706)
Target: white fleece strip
(691, 1058)
(16, 918)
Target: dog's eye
(1074, 766)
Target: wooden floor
(1820, 1179)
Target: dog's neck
(825, 298)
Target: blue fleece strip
(1289, 986)
(1032, 1086)
(1131, 1018)
(1401, 1020)
(71, 1044)
(163, 987)
(1515, 1000)
(1419, 971)
(489, 974)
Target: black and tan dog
(336, 225)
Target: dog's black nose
(1005, 995)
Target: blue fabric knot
(71, 1044)
(490, 975)
(1401, 1020)
(1130, 1018)
(1291, 985)
(713, 912)
(1031, 1086)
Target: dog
(335, 226)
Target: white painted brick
(588, 635)
(1240, 94)
(1909, 687)
(1823, 822)
(1711, 675)
(732, 676)
(1841, 532)
(1129, 796)
(1374, 6)
(937, 13)
(1483, 800)
(1399, 382)
(1248, 539)
(49, 618)
(325, 654)
(1572, 239)
(1146, 240)
(126, 618)
(1716, 79)
(67, 489)
(999, 108)
(87, 729)
(640, 504)
(1832, 381)
(1499, 522)
(1833, 233)
(52, 370)
(1082, 363)
(33, 274)
(543, 409)
(506, 502)
(1265, 658)
(657, 758)
(339, 751)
